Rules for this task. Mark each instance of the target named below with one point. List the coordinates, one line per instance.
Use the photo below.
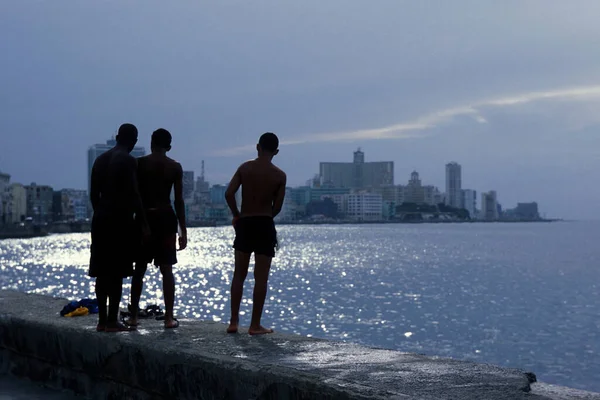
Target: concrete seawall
(200, 361)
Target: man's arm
(179, 203)
(232, 189)
(279, 196)
(95, 188)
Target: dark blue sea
(519, 295)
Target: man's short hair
(127, 134)
(162, 138)
(269, 142)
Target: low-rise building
(389, 210)
(217, 194)
(430, 195)
(365, 206)
(40, 201)
(70, 205)
(527, 211)
(340, 200)
(288, 211)
(16, 204)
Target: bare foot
(132, 322)
(233, 328)
(171, 323)
(261, 330)
(118, 327)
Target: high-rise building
(454, 185)
(357, 174)
(489, 206)
(96, 150)
(414, 192)
(469, 201)
(188, 185)
(4, 182)
(40, 201)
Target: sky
(509, 89)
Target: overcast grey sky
(509, 89)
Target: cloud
(419, 126)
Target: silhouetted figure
(157, 176)
(263, 192)
(115, 199)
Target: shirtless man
(263, 191)
(115, 199)
(157, 175)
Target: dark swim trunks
(112, 249)
(256, 235)
(161, 248)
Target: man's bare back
(113, 183)
(262, 183)
(156, 176)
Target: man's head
(127, 136)
(268, 145)
(161, 140)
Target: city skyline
(508, 89)
(413, 191)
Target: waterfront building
(188, 185)
(364, 206)
(357, 174)
(16, 203)
(40, 200)
(527, 211)
(414, 192)
(489, 206)
(217, 194)
(430, 195)
(288, 211)
(70, 205)
(4, 182)
(469, 201)
(454, 185)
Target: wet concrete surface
(199, 360)
(21, 389)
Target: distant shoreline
(411, 222)
(32, 233)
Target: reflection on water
(522, 295)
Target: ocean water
(519, 295)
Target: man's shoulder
(127, 157)
(248, 163)
(173, 163)
(279, 171)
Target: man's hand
(235, 220)
(182, 242)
